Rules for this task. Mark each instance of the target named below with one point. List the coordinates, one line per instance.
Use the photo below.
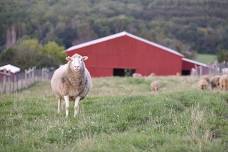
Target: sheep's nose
(77, 67)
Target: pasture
(120, 114)
(206, 58)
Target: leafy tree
(222, 56)
(12, 14)
(29, 52)
(8, 57)
(199, 24)
(53, 49)
(68, 36)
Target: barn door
(185, 72)
(123, 72)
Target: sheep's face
(77, 62)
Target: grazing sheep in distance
(71, 81)
(206, 77)
(203, 84)
(223, 82)
(137, 75)
(215, 81)
(155, 86)
(151, 75)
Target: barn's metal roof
(10, 68)
(194, 62)
(120, 35)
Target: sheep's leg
(62, 104)
(66, 99)
(59, 105)
(76, 106)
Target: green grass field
(206, 58)
(120, 114)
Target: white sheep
(151, 74)
(137, 75)
(215, 81)
(206, 77)
(203, 84)
(71, 81)
(223, 82)
(155, 86)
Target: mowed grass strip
(179, 118)
(206, 58)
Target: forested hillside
(184, 25)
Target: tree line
(187, 26)
(29, 52)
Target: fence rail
(211, 69)
(10, 83)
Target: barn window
(123, 72)
(186, 72)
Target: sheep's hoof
(75, 114)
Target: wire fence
(10, 83)
(211, 69)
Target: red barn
(188, 65)
(123, 53)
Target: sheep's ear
(85, 58)
(68, 58)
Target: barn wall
(100, 71)
(187, 65)
(126, 52)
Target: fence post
(4, 84)
(25, 80)
(33, 74)
(1, 88)
(15, 83)
(42, 74)
(5, 78)
(7, 84)
(201, 70)
(10, 84)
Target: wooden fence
(10, 83)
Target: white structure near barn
(9, 70)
